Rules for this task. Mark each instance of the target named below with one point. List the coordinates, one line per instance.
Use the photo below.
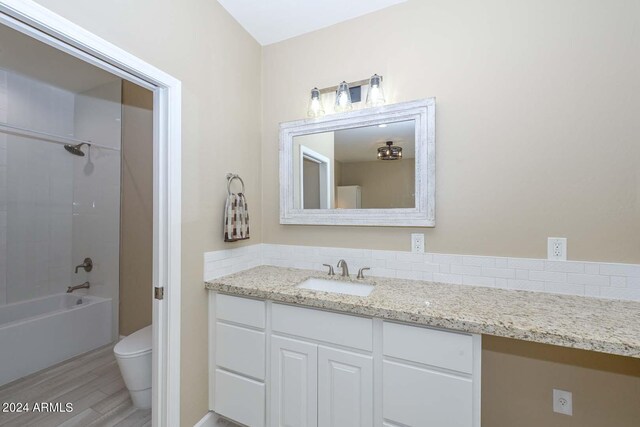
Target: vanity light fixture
(316, 109)
(375, 94)
(390, 152)
(343, 97)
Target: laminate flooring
(91, 382)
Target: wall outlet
(417, 243)
(562, 402)
(557, 248)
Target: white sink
(337, 287)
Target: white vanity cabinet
(280, 365)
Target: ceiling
(29, 57)
(361, 144)
(271, 21)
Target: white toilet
(133, 354)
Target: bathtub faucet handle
(87, 264)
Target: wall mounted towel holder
(230, 178)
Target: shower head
(75, 149)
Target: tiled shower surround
(593, 279)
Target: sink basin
(337, 287)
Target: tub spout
(85, 285)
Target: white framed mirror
(374, 166)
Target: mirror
(366, 167)
(372, 166)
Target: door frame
(324, 164)
(42, 24)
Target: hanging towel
(236, 218)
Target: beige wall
(537, 120)
(385, 184)
(219, 65)
(136, 209)
(518, 379)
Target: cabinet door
(345, 389)
(420, 397)
(294, 382)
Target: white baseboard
(211, 419)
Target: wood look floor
(92, 382)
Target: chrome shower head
(75, 149)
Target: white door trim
(40, 23)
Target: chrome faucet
(85, 285)
(345, 269)
(87, 265)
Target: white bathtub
(41, 332)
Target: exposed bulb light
(382, 125)
(343, 97)
(375, 94)
(316, 109)
(390, 152)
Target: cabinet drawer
(245, 311)
(415, 397)
(240, 350)
(341, 329)
(239, 399)
(449, 350)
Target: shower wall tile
(96, 191)
(36, 190)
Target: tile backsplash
(594, 279)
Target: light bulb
(343, 97)
(316, 109)
(375, 94)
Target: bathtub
(41, 332)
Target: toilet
(133, 354)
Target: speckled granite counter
(606, 326)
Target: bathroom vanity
(408, 354)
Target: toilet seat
(136, 344)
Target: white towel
(236, 218)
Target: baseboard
(211, 419)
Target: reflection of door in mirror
(311, 184)
(313, 171)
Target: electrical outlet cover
(562, 402)
(417, 243)
(557, 248)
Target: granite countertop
(607, 326)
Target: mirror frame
(422, 215)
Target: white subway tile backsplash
(455, 279)
(563, 277)
(564, 288)
(618, 281)
(505, 273)
(620, 270)
(478, 281)
(592, 268)
(564, 266)
(526, 285)
(588, 279)
(447, 259)
(526, 263)
(479, 261)
(469, 270)
(548, 276)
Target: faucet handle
(360, 275)
(331, 272)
